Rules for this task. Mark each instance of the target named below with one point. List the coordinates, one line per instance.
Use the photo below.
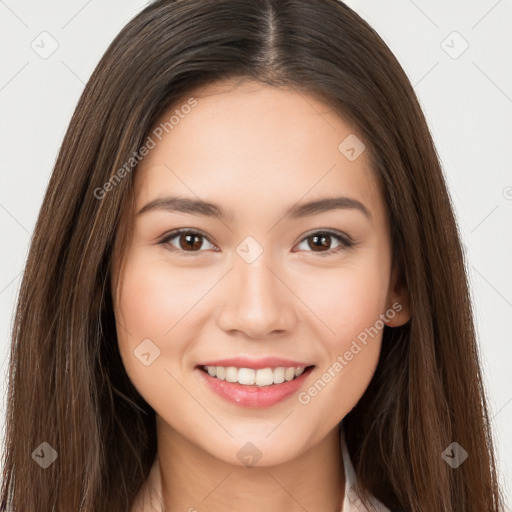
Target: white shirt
(351, 502)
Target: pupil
(189, 244)
(322, 237)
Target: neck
(189, 479)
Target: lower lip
(255, 397)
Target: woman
(181, 343)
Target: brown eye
(190, 242)
(321, 242)
(187, 241)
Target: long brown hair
(68, 387)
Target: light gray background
(466, 97)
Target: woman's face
(250, 285)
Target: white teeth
(247, 376)
(251, 377)
(289, 373)
(279, 375)
(231, 374)
(264, 377)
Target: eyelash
(345, 242)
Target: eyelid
(328, 231)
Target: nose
(258, 301)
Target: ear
(397, 304)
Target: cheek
(349, 299)
(155, 298)
(152, 324)
(150, 305)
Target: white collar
(351, 502)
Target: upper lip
(256, 364)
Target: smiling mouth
(250, 377)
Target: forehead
(249, 144)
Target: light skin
(255, 151)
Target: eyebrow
(200, 207)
